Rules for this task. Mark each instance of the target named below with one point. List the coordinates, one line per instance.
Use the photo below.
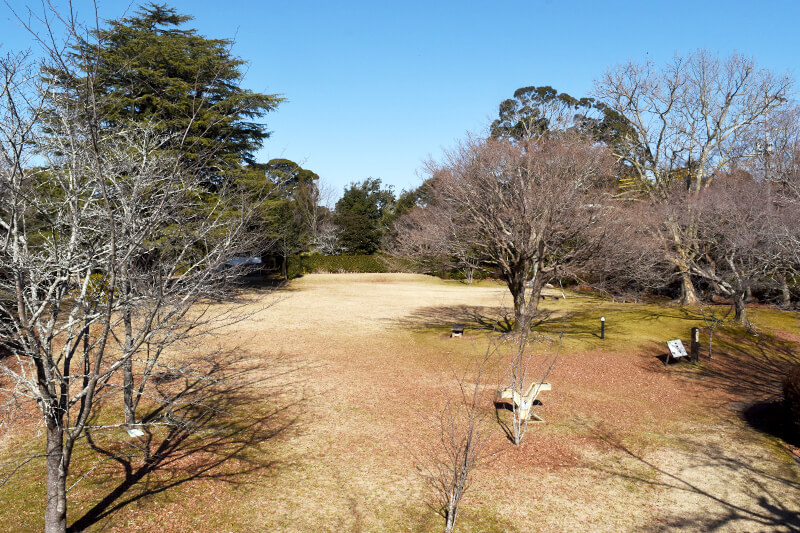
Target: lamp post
(602, 328)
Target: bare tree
(740, 236)
(449, 465)
(713, 319)
(525, 211)
(324, 234)
(628, 263)
(780, 164)
(429, 237)
(175, 254)
(106, 242)
(686, 123)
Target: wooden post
(695, 345)
(602, 328)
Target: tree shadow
(501, 319)
(772, 418)
(215, 421)
(246, 286)
(580, 323)
(474, 317)
(770, 499)
(751, 370)
(751, 367)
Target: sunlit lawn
(345, 374)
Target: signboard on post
(676, 350)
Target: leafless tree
(740, 237)
(327, 238)
(175, 254)
(687, 122)
(318, 215)
(106, 243)
(713, 318)
(628, 263)
(779, 164)
(462, 445)
(429, 237)
(525, 211)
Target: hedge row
(307, 264)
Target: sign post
(694, 347)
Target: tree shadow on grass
(751, 367)
(772, 418)
(216, 421)
(580, 323)
(265, 284)
(500, 319)
(474, 317)
(768, 499)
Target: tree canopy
(523, 211)
(362, 215)
(150, 68)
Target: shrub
(791, 397)
(306, 264)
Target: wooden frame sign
(676, 350)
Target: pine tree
(149, 68)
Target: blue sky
(375, 88)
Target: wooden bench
(522, 403)
(457, 330)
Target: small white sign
(676, 349)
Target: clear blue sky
(374, 88)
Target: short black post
(602, 328)
(695, 345)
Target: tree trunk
(740, 314)
(450, 521)
(469, 275)
(688, 292)
(127, 363)
(786, 294)
(710, 341)
(55, 514)
(285, 267)
(127, 391)
(523, 310)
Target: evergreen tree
(541, 111)
(149, 68)
(362, 215)
(293, 217)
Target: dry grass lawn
(363, 362)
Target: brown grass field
(333, 388)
